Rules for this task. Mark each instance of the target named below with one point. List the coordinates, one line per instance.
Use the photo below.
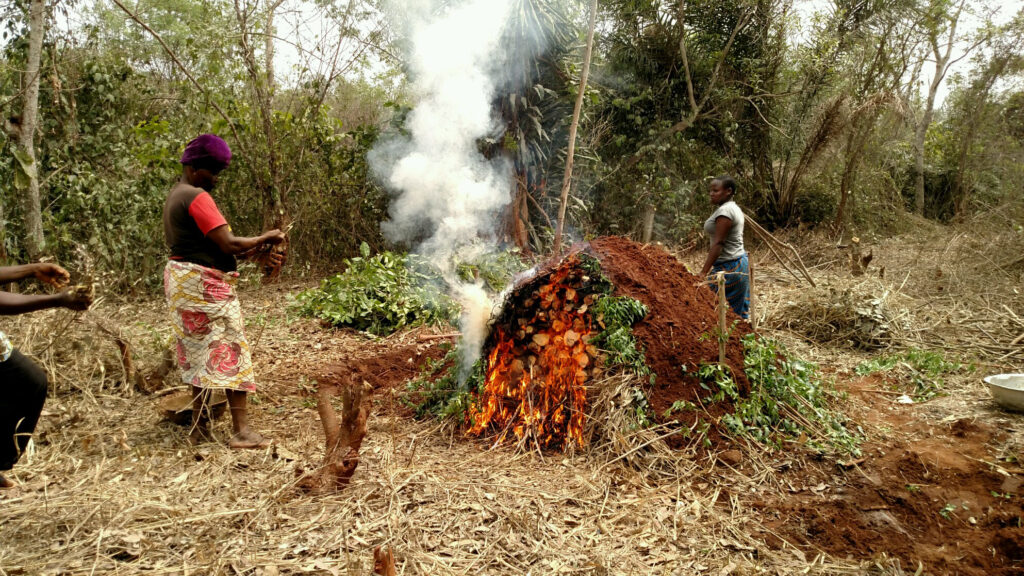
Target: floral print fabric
(5, 347)
(209, 331)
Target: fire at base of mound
(542, 358)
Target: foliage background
(815, 116)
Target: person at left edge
(23, 383)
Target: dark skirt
(737, 284)
(22, 393)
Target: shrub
(380, 294)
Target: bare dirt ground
(111, 488)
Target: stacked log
(540, 360)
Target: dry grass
(955, 288)
(862, 313)
(110, 488)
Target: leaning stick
(779, 257)
(723, 334)
(429, 337)
(772, 242)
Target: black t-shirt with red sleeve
(189, 215)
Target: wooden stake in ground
(567, 178)
(343, 439)
(753, 299)
(723, 306)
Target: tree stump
(342, 438)
(384, 562)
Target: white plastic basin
(1007, 390)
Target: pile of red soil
(385, 367)
(678, 332)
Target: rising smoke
(447, 196)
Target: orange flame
(535, 383)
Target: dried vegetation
(109, 487)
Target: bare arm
(16, 273)
(44, 272)
(12, 304)
(723, 224)
(231, 244)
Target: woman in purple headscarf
(199, 282)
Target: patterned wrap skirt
(737, 284)
(209, 331)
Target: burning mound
(540, 359)
(553, 340)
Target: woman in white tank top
(724, 229)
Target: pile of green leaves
(380, 294)
(494, 269)
(787, 401)
(923, 369)
(617, 315)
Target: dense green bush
(380, 294)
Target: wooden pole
(723, 306)
(753, 302)
(567, 178)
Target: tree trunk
(567, 178)
(844, 195)
(268, 49)
(275, 199)
(854, 148)
(3, 237)
(919, 137)
(647, 229)
(518, 221)
(343, 437)
(941, 54)
(34, 241)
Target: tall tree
(881, 59)
(940, 30)
(261, 82)
(818, 109)
(536, 38)
(976, 103)
(574, 124)
(35, 242)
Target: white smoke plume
(447, 195)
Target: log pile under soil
(540, 360)
(541, 364)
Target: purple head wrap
(207, 151)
